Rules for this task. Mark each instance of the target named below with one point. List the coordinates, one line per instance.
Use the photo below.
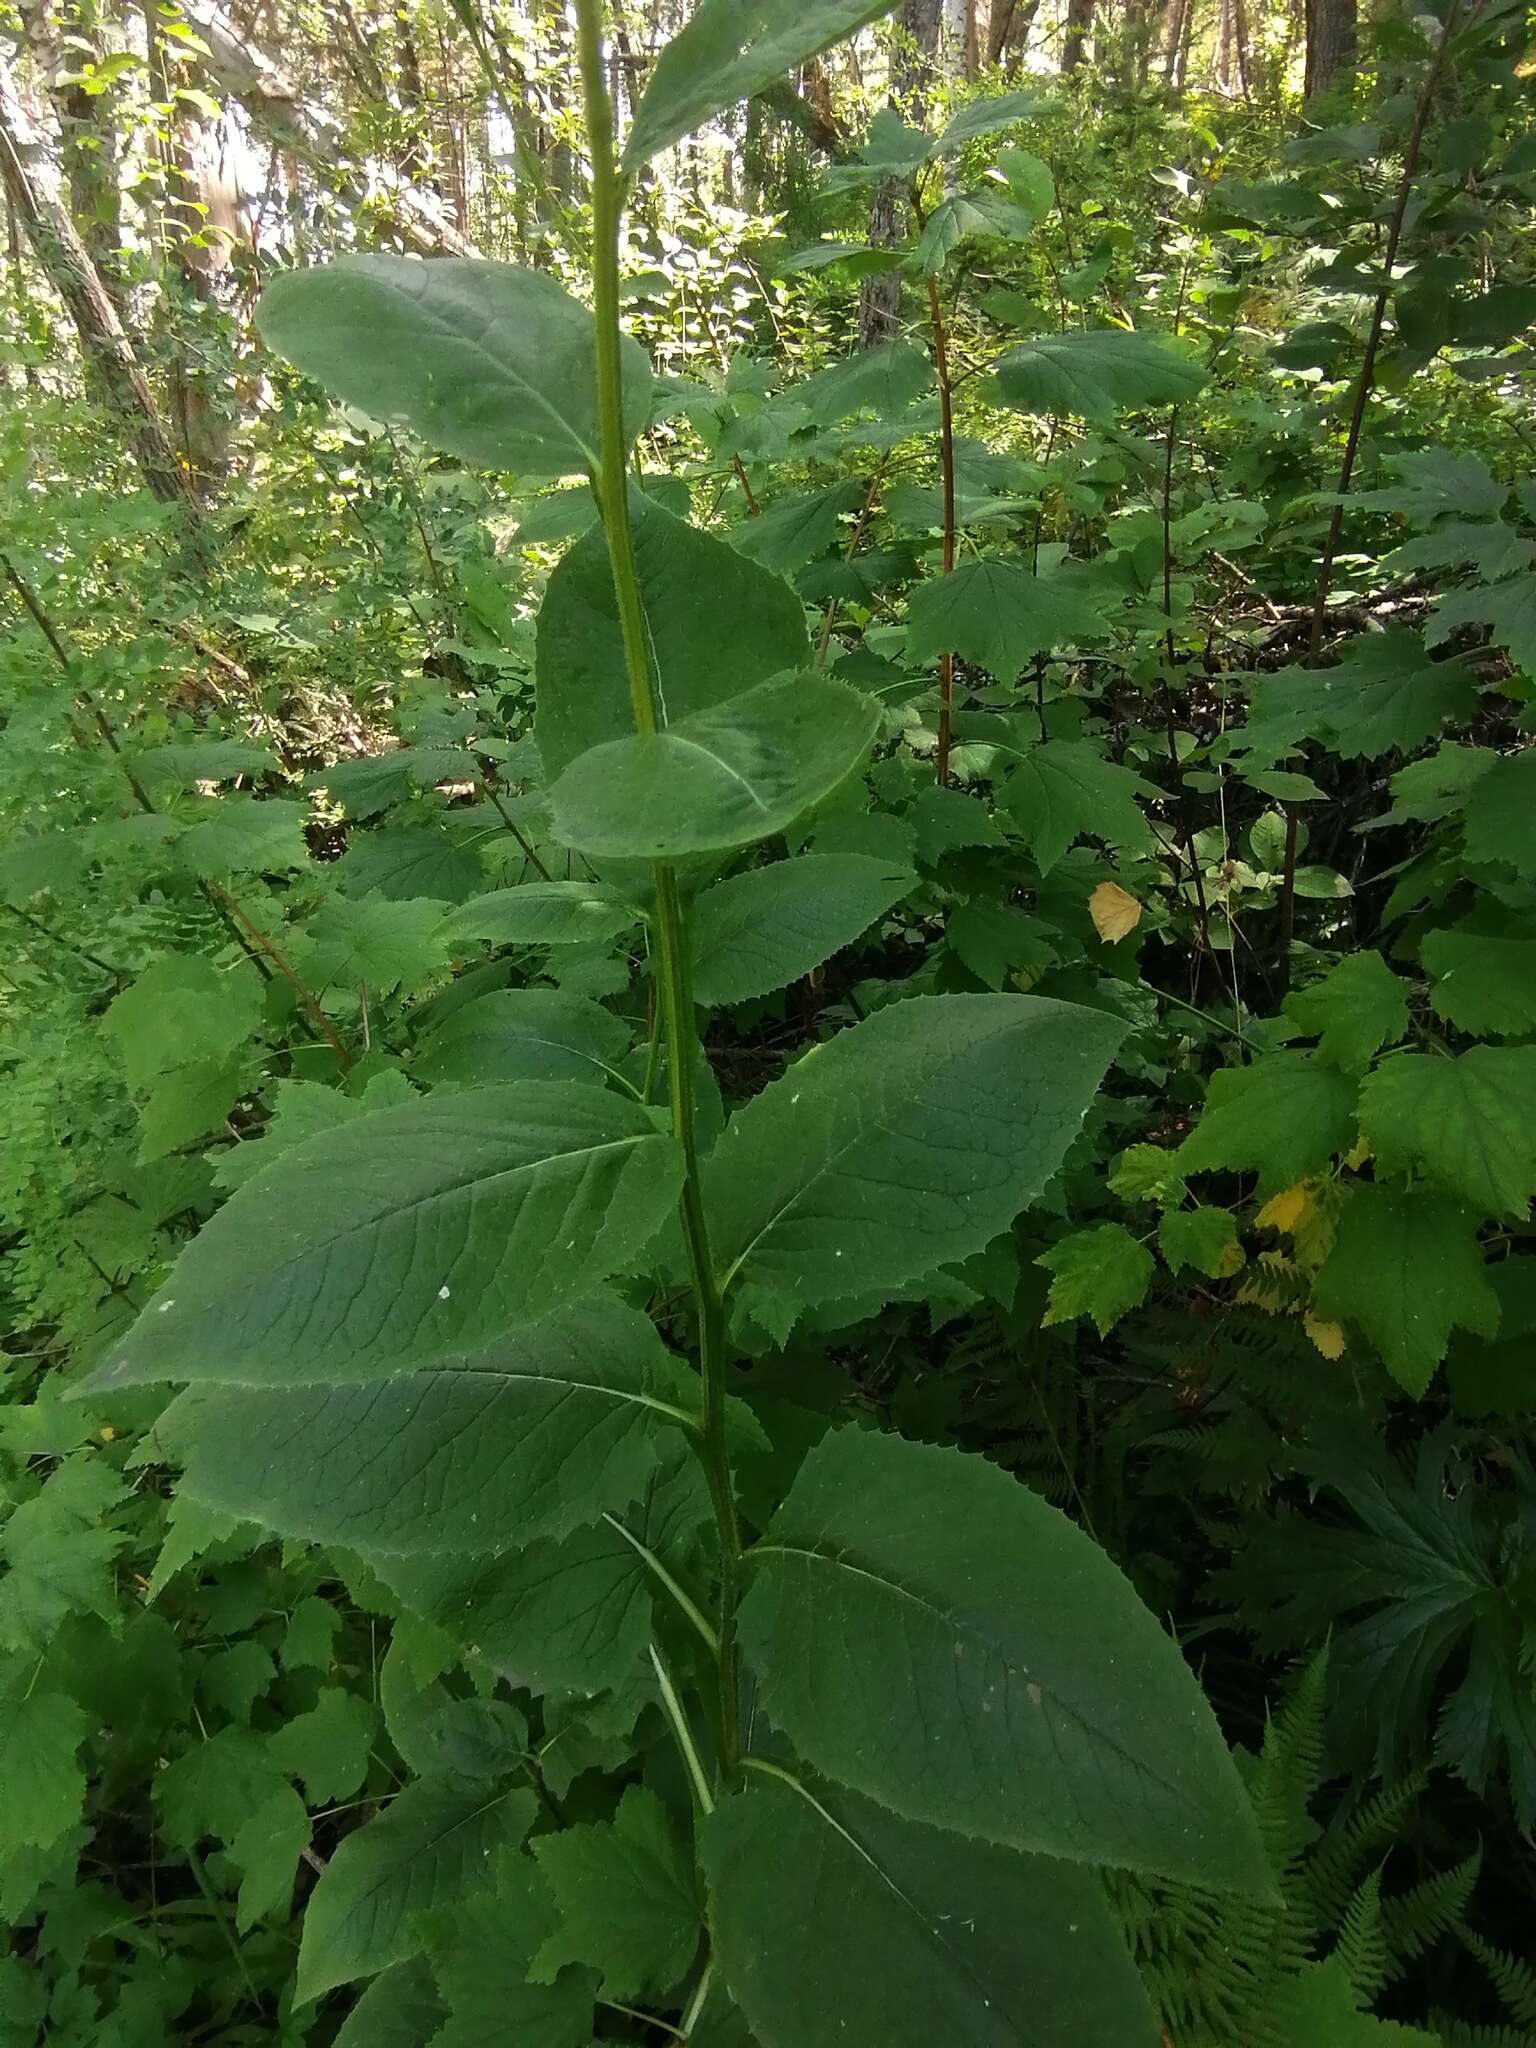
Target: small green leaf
(266, 1852)
(180, 1012)
(999, 616)
(1284, 1117)
(406, 1236)
(966, 217)
(624, 1893)
(729, 51)
(1203, 1238)
(1464, 1123)
(1064, 790)
(761, 930)
(329, 1746)
(720, 779)
(544, 914)
(793, 531)
(1501, 819)
(490, 363)
(1359, 1006)
(40, 1735)
(483, 1950)
(988, 116)
(429, 1849)
(916, 1938)
(1103, 1273)
(927, 1630)
(1407, 1269)
(1096, 373)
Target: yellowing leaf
(1286, 1211)
(1115, 912)
(1328, 1337)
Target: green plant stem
(672, 955)
(951, 523)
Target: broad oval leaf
(722, 779)
(730, 50)
(406, 1236)
(762, 930)
(903, 1144)
(428, 1849)
(927, 1630)
(491, 363)
(524, 1440)
(837, 1926)
(544, 914)
(1096, 373)
(690, 585)
(524, 1034)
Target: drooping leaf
(719, 779)
(428, 1849)
(525, 1439)
(1464, 1123)
(625, 1898)
(762, 930)
(917, 1936)
(1096, 373)
(491, 363)
(884, 381)
(1385, 694)
(729, 51)
(407, 1236)
(1203, 1238)
(410, 863)
(1407, 1269)
(1507, 608)
(904, 1144)
(40, 1737)
(400, 2009)
(181, 1011)
(1103, 1273)
(970, 216)
(1359, 1006)
(1282, 1118)
(483, 1950)
(1064, 790)
(266, 1852)
(793, 531)
(930, 1632)
(987, 116)
(998, 615)
(544, 914)
(689, 583)
(524, 1034)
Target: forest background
(1132, 400)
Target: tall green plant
(911, 1707)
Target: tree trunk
(89, 144)
(64, 261)
(972, 39)
(274, 103)
(1079, 28)
(911, 73)
(1332, 27)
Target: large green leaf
(999, 615)
(1464, 1123)
(523, 1440)
(1482, 983)
(1063, 790)
(627, 1899)
(400, 2009)
(1501, 815)
(1407, 1269)
(762, 930)
(929, 1631)
(1386, 694)
(1096, 373)
(730, 50)
(884, 381)
(904, 1144)
(524, 1034)
(488, 362)
(716, 625)
(428, 1849)
(544, 914)
(406, 1236)
(839, 1926)
(795, 530)
(1282, 1118)
(720, 779)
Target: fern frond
(1284, 1781)
(1341, 1860)
(1457, 2034)
(1413, 1919)
(1514, 1981)
(1362, 1942)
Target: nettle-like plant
(880, 1719)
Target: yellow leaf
(1286, 1211)
(1328, 1337)
(1115, 912)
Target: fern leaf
(1514, 1981)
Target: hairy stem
(674, 978)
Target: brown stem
(1363, 387)
(69, 945)
(290, 974)
(947, 460)
(746, 484)
(517, 833)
